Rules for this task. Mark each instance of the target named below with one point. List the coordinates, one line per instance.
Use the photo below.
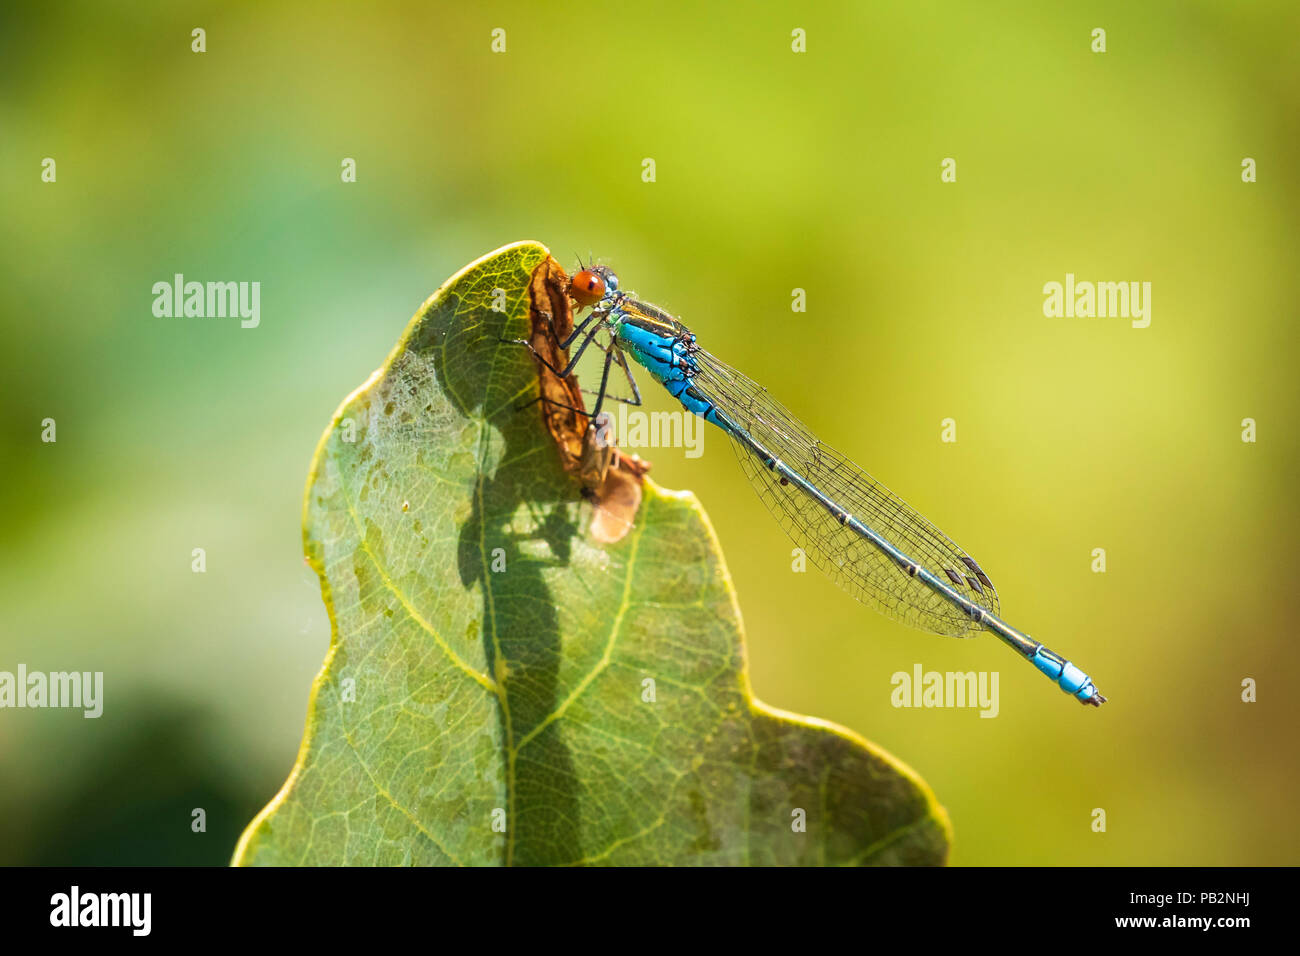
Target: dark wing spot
(984, 579)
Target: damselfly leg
(612, 354)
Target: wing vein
(851, 560)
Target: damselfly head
(589, 286)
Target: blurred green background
(775, 170)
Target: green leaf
(490, 661)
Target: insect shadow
(521, 523)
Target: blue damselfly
(851, 526)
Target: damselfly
(867, 539)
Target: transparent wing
(850, 560)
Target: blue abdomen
(670, 361)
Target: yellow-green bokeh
(775, 170)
